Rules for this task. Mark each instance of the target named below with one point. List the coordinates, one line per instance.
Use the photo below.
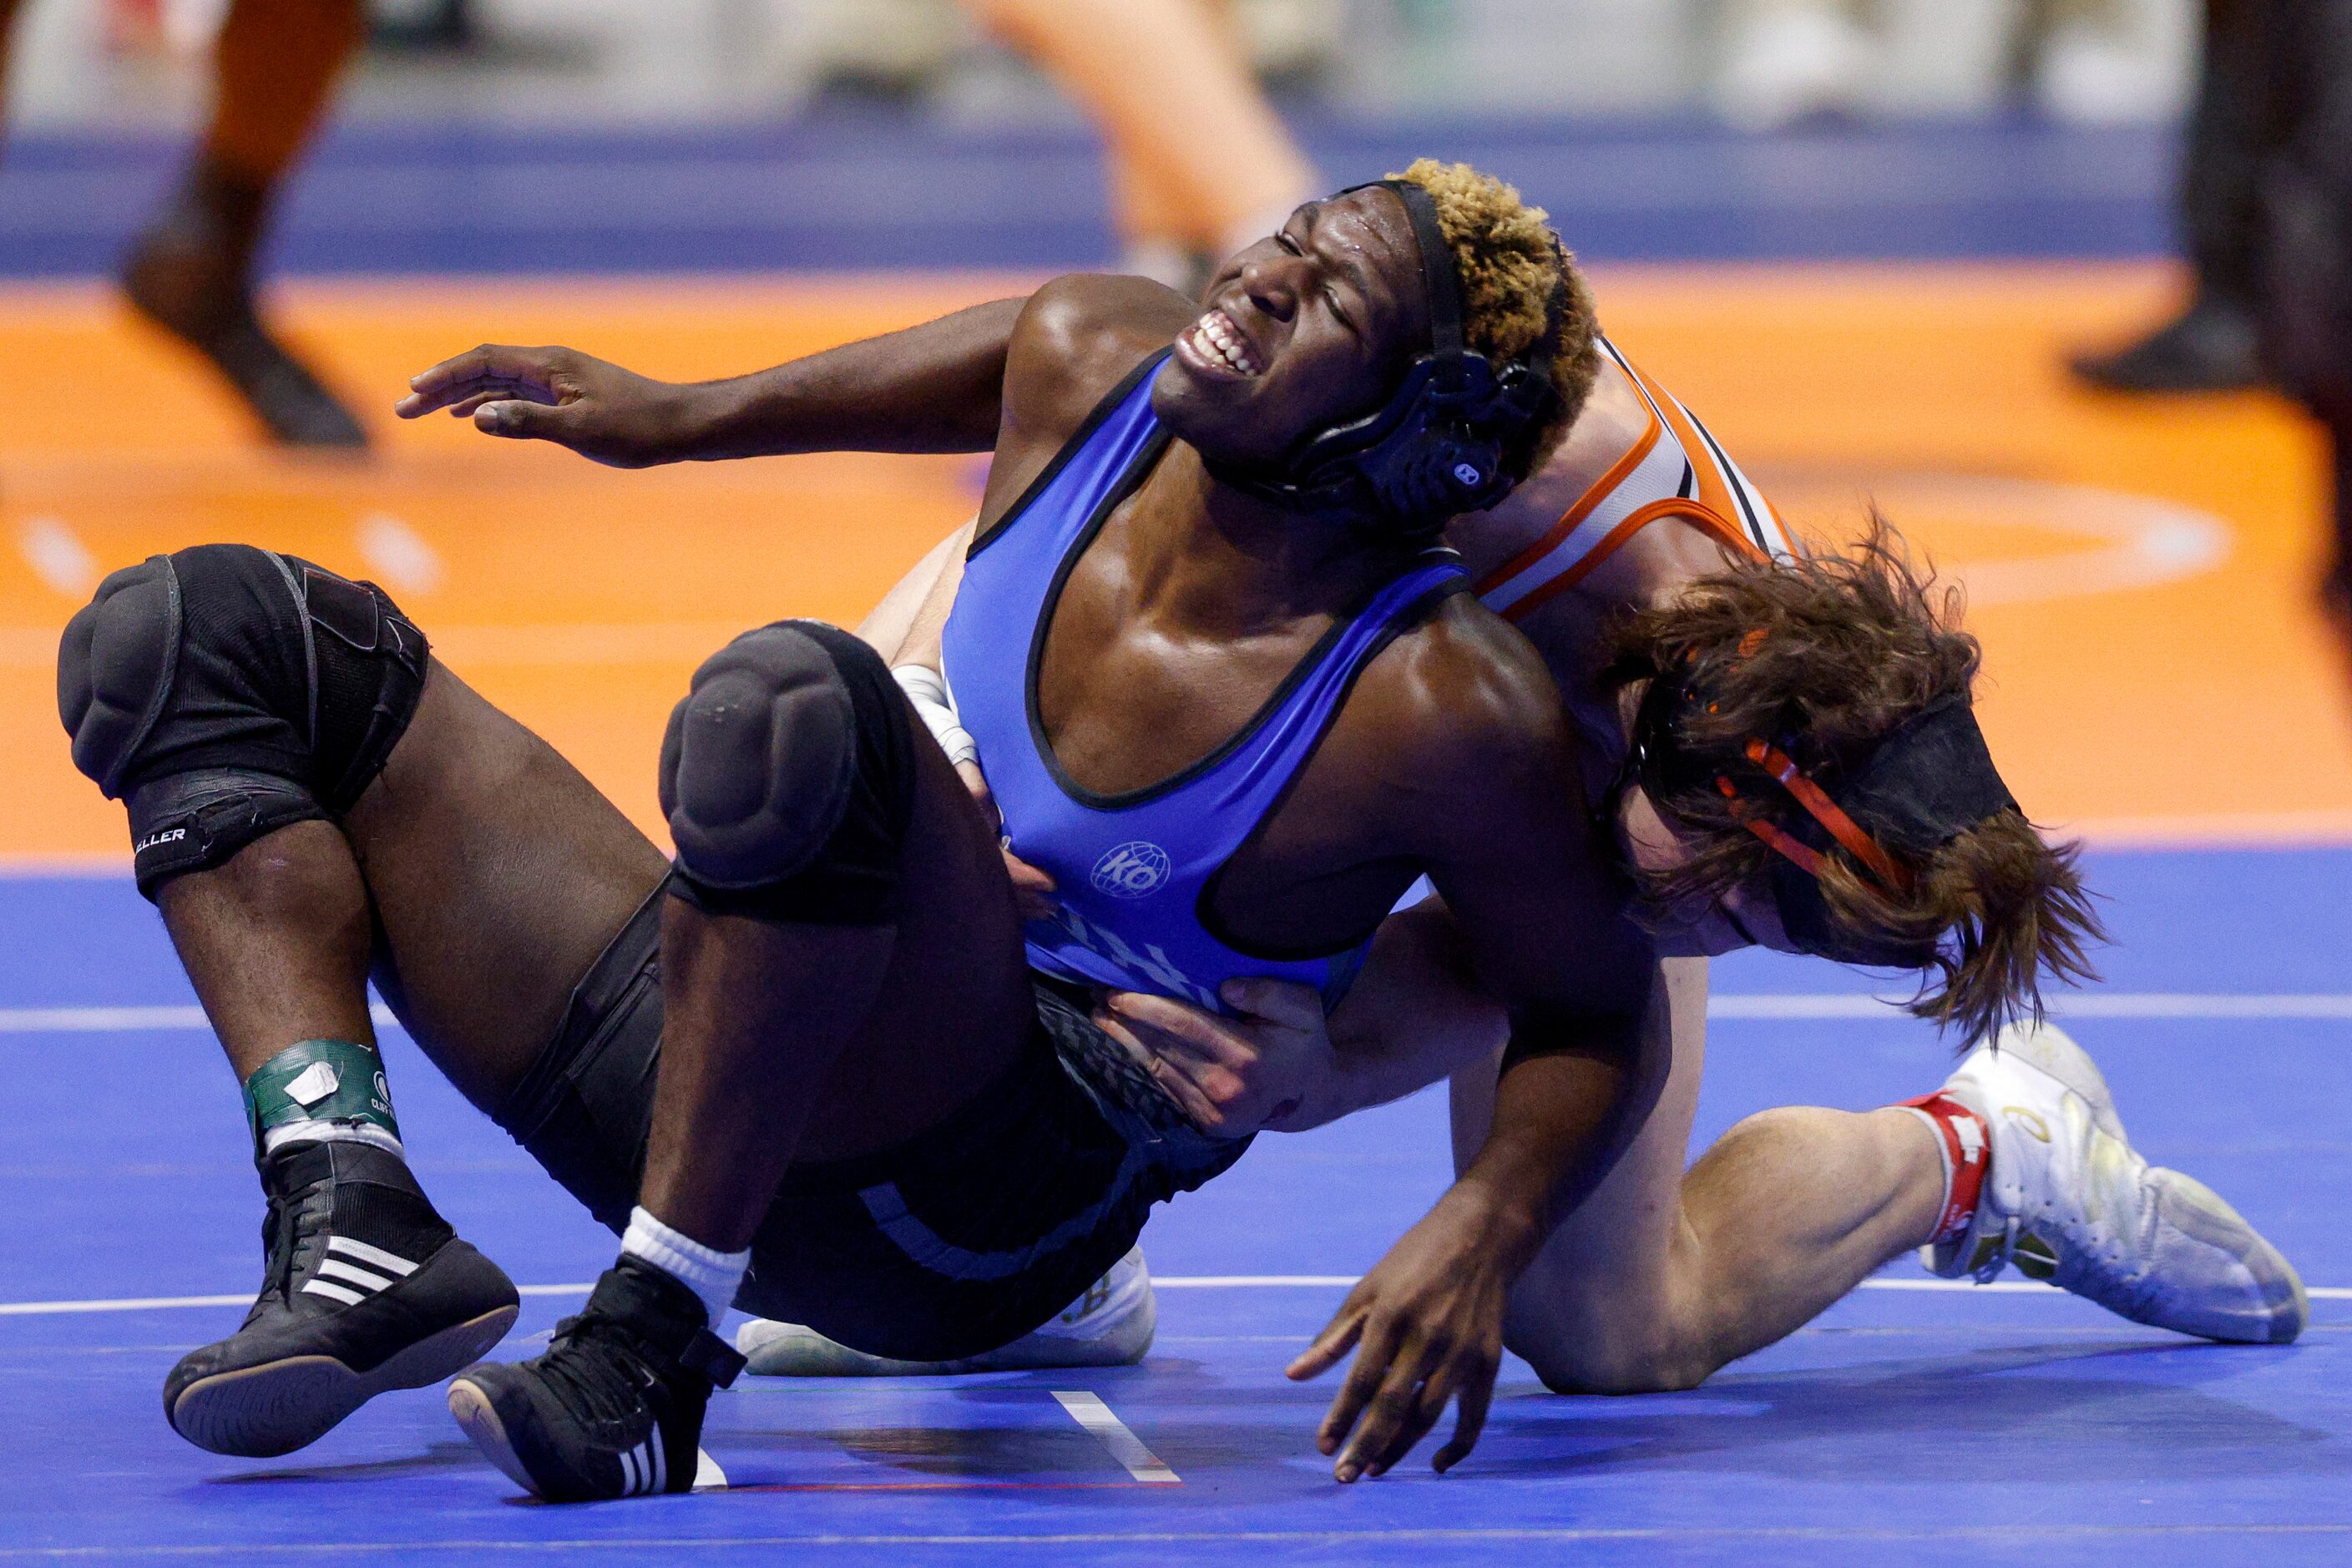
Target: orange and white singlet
(1675, 469)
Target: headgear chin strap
(1924, 786)
(1924, 783)
(1436, 447)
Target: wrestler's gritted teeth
(1221, 347)
(1249, 377)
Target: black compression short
(954, 1245)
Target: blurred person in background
(2210, 345)
(2089, 61)
(1200, 164)
(192, 271)
(2297, 70)
(2266, 199)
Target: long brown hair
(1834, 652)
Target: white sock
(708, 1272)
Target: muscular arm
(1006, 375)
(1487, 770)
(1515, 854)
(933, 388)
(937, 387)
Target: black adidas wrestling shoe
(615, 1407)
(367, 1290)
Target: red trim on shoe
(1967, 1145)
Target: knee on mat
(223, 692)
(1597, 1366)
(787, 776)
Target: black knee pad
(787, 775)
(224, 691)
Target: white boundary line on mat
(1828, 1006)
(1089, 1411)
(1167, 1282)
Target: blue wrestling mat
(1917, 1421)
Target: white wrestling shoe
(1110, 1325)
(2067, 1200)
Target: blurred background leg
(192, 272)
(2304, 54)
(1198, 149)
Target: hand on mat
(1426, 1325)
(1033, 891)
(1234, 1076)
(599, 411)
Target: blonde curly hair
(1522, 295)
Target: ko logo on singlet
(1131, 870)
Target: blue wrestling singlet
(1133, 870)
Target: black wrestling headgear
(1925, 783)
(1436, 447)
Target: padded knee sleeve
(115, 665)
(224, 691)
(787, 775)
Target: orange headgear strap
(1823, 810)
(1813, 798)
(1764, 828)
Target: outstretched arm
(1496, 814)
(937, 387)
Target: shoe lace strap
(1998, 1257)
(602, 1362)
(281, 1236)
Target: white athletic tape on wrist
(927, 689)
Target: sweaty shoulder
(1078, 336)
(1464, 696)
(1075, 339)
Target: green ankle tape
(318, 1081)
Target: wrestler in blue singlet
(1133, 870)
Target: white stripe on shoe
(641, 1467)
(336, 1269)
(374, 1256)
(333, 1293)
